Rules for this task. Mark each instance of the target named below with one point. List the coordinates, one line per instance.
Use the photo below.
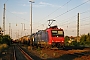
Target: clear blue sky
(63, 11)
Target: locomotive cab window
(57, 33)
(60, 32)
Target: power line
(85, 11)
(65, 23)
(75, 16)
(83, 19)
(75, 20)
(17, 16)
(71, 9)
(80, 25)
(85, 24)
(60, 7)
(57, 9)
(6, 1)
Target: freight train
(50, 37)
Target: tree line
(84, 40)
(5, 39)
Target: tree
(0, 38)
(1, 35)
(6, 39)
(66, 40)
(88, 39)
(85, 39)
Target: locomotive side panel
(42, 38)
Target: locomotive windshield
(57, 33)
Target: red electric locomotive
(51, 37)
(55, 36)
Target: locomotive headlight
(62, 41)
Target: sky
(65, 12)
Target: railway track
(20, 54)
(23, 54)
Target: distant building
(73, 39)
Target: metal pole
(9, 28)
(31, 15)
(11, 33)
(4, 20)
(22, 29)
(31, 22)
(18, 34)
(31, 18)
(78, 29)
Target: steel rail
(25, 54)
(14, 53)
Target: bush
(6, 40)
(3, 46)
